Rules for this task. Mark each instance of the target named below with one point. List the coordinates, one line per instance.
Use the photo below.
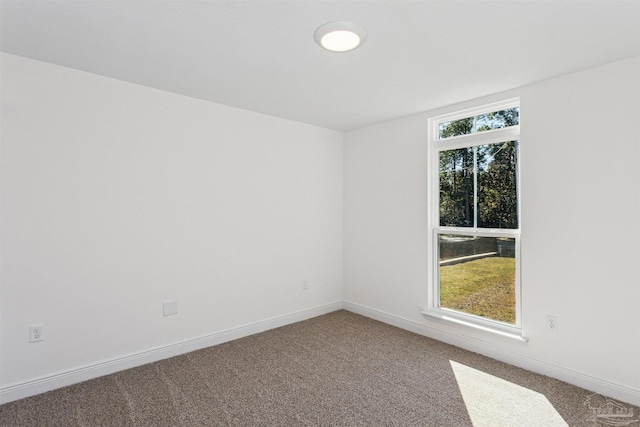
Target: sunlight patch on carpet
(494, 402)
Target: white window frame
(434, 229)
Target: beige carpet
(337, 369)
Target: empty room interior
(212, 215)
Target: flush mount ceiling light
(340, 36)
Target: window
(474, 216)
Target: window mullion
(480, 232)
(475, 188)
(482, 138)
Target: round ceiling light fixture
(340, 36)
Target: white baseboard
(597, 385)
(50, 382)
(62, 379)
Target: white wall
(580, 146)
(117, 197)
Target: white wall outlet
(36, 333)
(305, 285)
(552, 323)
(169, 308)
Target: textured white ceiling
(261, 55)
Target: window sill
(512, 336)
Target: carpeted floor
(337, 369)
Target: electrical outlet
(169, 308)
(36, 333)
(305, 285)
(552, 323)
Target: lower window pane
(478, 276)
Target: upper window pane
(456, 128)
(480, 123)
(456, 188)
(497, 186)
(478, 186)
